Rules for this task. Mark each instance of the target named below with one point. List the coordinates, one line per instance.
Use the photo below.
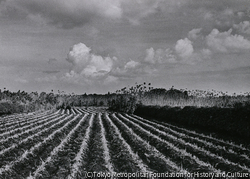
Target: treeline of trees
(124, 100)
(21, 101)
(127, 99)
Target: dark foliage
(235, 121)
(9, 108)
(123, 103)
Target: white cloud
(223, 18)
(150, 53)
(192, 51)
(131, 64)
(184, 48)
(133, 69)
(159, 56)
(194, 34)
(226, 42)
(86, 65)
(164, 56)
(79, 54)
(98, 66)
(243, 27)
(74, 78)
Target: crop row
(222, 144)
(24, 164)
(225, 160)
(67, 144)
(18, 120)
(13, 148)
(29, 124)
(29, 131)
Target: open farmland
(69, 143)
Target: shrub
(123, 103)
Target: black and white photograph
(124, 89)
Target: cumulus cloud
(222, 18)
(131, 64)
(183, 52)
(159, 56)
(133, 69)
(194, 33)
(184, 48)
(186, 53)
(79, 54)
(98, 66)
(156, 61)
(150, 53)
(193, 49)
(226, 42)
(87, 66)
(243, 27)
(198, 47)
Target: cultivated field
(69, 143)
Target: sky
(103, 45)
